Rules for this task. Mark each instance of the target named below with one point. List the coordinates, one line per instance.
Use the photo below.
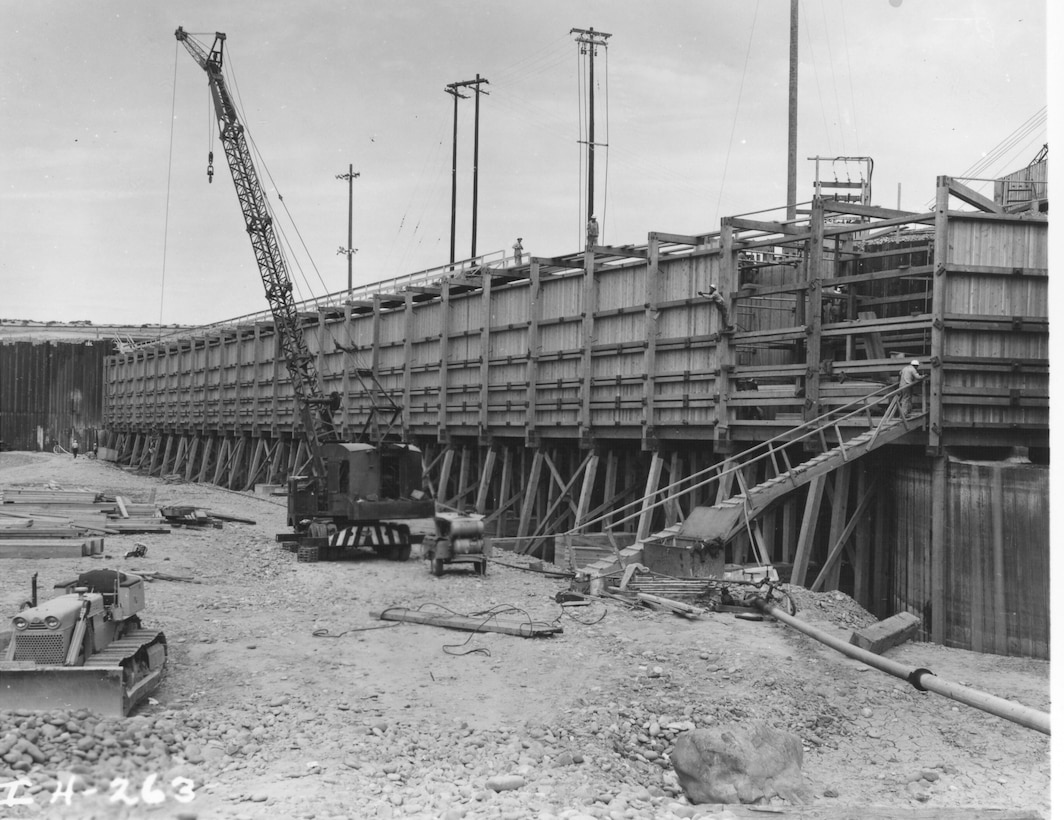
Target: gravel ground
(260, 718)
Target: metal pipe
(922, 679)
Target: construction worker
(720, 304)
(909, 375)
(518, 251)
(592, 232)
(74, 446)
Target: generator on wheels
(459, 539)
(84, 649)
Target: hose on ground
(923, 679)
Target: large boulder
(739, 765)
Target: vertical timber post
(650, 494)
(723, 353)
(408, 361)
(589, 307)
(650, 337)
(531, 490)
(938, 309)
(484, 420)
(443, 434)
(815, 274)
(535, 315)
(939, 479)
(586, 490)
(808, 530)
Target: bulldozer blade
(98, 686)
(62, 687)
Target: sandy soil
(268, 720)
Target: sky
(107, 215)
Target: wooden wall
(611, 355)
(995, 309)
(995, 562)
(50, 391)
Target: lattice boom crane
(358, 494)
(315, 408)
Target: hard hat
(915, 362)
(712, 287)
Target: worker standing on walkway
(592, 232)
(909, 375)
(519, 250)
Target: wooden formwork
(549, 394)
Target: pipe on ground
(922, 679)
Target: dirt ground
(264, 719)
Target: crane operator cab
(368, 491)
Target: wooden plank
(535, 317)
(590, 299)
(121, 502)
(997, 503)
(973, 197)
(873, 341)
(679, 607)
(939, 294)
(586, 490)
(939, 479)
(485, 481)
(830, 568)
(744, 224)
(25, 532)
(646, 512)
(838, 532)
(50, 548)
(467, 623)
(808, 530)
(650, 329)
(531, 490)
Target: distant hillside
(29, 330)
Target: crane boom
(315, 408)
(365, 489)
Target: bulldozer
(83, 649)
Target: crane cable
(169, 176)
(230, 71)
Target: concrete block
(879, 637)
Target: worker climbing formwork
(721, 304)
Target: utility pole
(792, 119)
(452, 89)
(349, 251)
(590, 40)
(476, 155)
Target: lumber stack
(46, 523)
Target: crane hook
(210, 167)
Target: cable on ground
(325, 633)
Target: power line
(738, 102)
(589, 41)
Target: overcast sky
(106, 213)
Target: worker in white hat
(909, 375)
